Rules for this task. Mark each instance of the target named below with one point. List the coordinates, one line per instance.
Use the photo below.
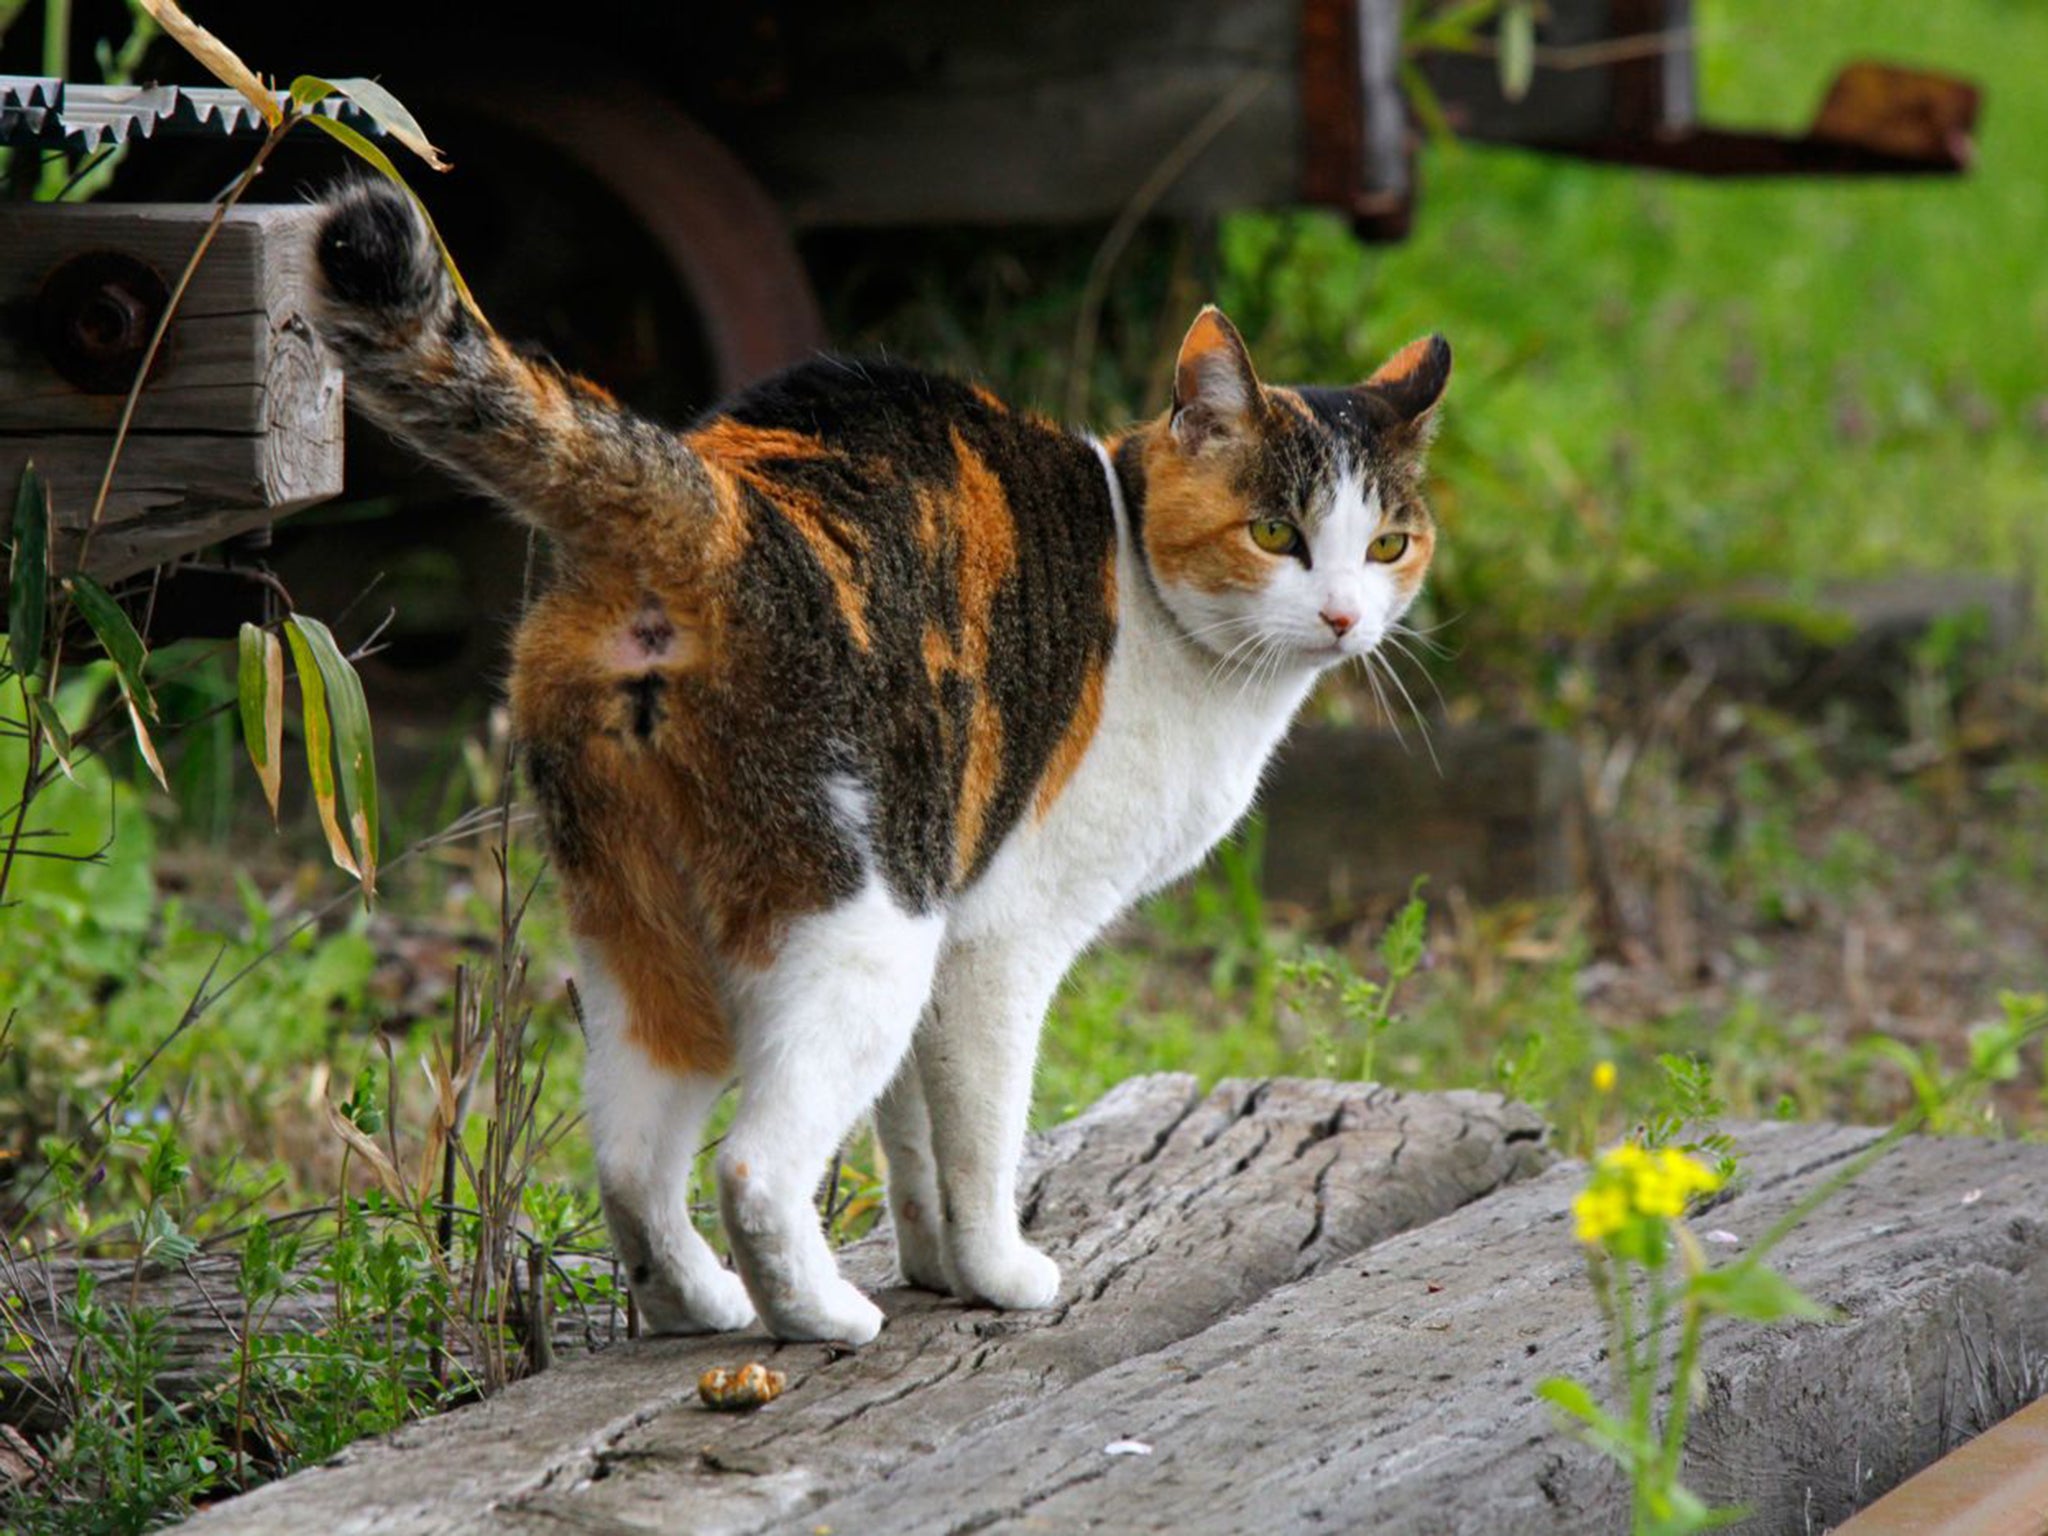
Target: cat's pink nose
(1339, 621)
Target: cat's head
(1287, 527)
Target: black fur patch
(374, 251)
(874, 714)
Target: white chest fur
(1173, 766)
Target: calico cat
(855, 711)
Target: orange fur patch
(743, 453)
(1210, 336)
(1287, 399)
(673, 1011)
(1402, 364)
(1073, 743)
(1413, 565)
(985, 558)
(1195, 522)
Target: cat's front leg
(975, 1056)
(903, 1125)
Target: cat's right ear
(1215, 391)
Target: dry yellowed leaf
(217, 56)
(143, 742)
(365, 1147)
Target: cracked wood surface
(1324, 1307)
(1168, 1210)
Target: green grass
(1662, 379)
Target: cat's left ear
(1216, 395)
(1407, 386)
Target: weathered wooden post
(241, 420)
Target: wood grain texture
(240, 424)
(1241, 1298)
(1169, 1209)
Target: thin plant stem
(1681, 1387)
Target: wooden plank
(241, 422)
(1854, 643)
(1354, 816)
(920, 111)
(1390, 1387)
(1997, 1485)
(1168, 1209)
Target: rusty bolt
(95, 316)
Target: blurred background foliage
(1663, 387)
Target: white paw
(1016, 1278)
(836, 1313)
(714, 1301)
(721, 1302)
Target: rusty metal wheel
(724, 237)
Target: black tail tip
(374, 251)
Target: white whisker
(1402, 650)
(1380, 694)
(1421, 724)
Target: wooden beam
(241, 422)
(1353, 816)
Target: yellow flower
(1630, 1182)
(1599, 1211)
(1604, 1077)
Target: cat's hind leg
(820, 1031)
(903, 1125)
(647, 1123)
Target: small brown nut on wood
(725, 1389)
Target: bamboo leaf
(1422, 99)
(309, 90)
(362, 147)
(389, 111)
(319, 746)
(116, 636)
(1517, 50)
(144, 743)
(124, 646)
(54, 732)
(1454, 29)
(28, 590)
(221, 60)
(261, 688)
(348, 713)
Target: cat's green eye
(1387, 548)
(1276, 536)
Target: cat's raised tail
(554, 448)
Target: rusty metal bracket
(1358, 152)
(1877, 120)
